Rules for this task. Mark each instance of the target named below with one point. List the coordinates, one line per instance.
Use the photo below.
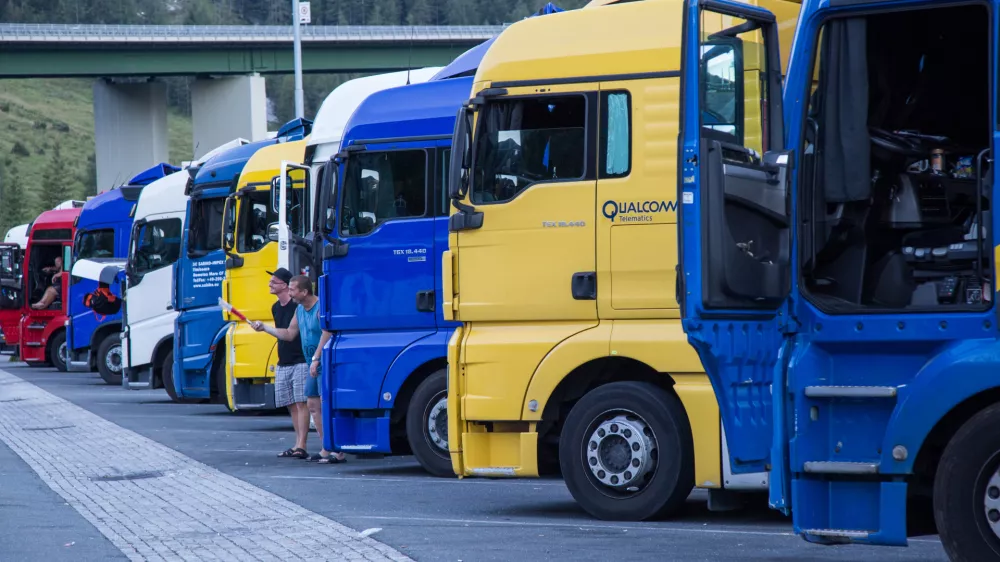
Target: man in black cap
(292, 371)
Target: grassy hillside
(37, 114)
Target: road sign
(305, 14)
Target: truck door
(523, 239)
(200, 272)
(735, 272)
(291, 201)
(198, 280)
(10, 277)
(381, 274)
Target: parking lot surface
(93, 472)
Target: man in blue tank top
(306, 326)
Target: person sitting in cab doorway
(305, 325)
(55, 285)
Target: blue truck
(102, 233)
(199, 328)
(840, 288)
(384, 370)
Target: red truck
(42, 331)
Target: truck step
(836, 467)
(850, 391)
(836, 535)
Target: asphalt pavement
(389, 500)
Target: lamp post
(296, 18)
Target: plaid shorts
(290, 384)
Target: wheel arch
(693, 391)
(102, 332)
(160, 352)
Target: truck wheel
(58, 351)
(967, 490)
(167, 376)
(109, 359)
(626, 452)
(427, 425)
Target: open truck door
(735, 240)
(11, 296)
(291, 200)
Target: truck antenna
(409, 57)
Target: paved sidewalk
(154, 503)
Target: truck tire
(167, 376)
(967, 490)
(109, 359)
(427, 425)
(626, 452)
(58, 351)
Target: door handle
(584, 286)
(425, 301)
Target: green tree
(421, 13)
(13, 207)
(54, 181)
(88, 181)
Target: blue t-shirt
(309, 329)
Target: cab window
(722, 89)
(159, 245)
(523, 141)
(206, 226)
(382, 186)
(616, 138)
(95, 244)
(255, 214)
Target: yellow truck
(250, 239)
(563, 254)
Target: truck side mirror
(67, 258)
(229, 224)
(458, 180)
(330, 212)
(272, 232)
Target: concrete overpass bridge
(228, 97)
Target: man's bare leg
(302, 428)
(316, 410)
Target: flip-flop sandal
(332, 459)
(294, 453)
(315, 457)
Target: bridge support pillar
(130, 130)
(225, 108)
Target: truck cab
(102, 234)
(571, 356)
(154, 246)
(250, 240)
(198, 371)
(840, 285)
(42, 331)
(384, 371)
(11, 296)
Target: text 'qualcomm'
(636, 211)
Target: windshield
(206, 226)
(524, 141)
(158, 245)
(381, 186)
(95, 244)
